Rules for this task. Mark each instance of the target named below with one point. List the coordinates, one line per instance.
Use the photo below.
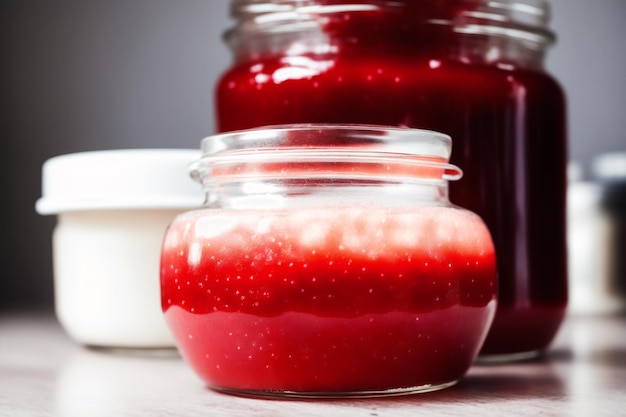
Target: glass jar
(472, 69)
(327, 261)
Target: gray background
(79, 75)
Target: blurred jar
(588, 230)
(610, 171)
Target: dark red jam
(507, 121)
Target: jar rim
(309, 151)
(396, 139)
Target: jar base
(310, 395)
(497, 358)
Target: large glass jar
(472, 69)
(328, 261)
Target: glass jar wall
(470, 68)
(328, 262)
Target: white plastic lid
(120, 179)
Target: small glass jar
(327, 261)
(472, 69)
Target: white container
(587, 231)
(113, 209)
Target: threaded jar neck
(326, 160)
(518, 27)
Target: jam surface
(329, 300)
(507, 123)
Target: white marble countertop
(43, 373)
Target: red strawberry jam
(330, 300)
